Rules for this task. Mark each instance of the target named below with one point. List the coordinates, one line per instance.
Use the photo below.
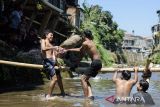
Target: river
(102, 87)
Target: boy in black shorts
(88, 47)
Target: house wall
(76, 16)
(72, 15)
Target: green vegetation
(156, 58)
(105, 55)
(105, 31)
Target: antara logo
(131, 100)
(110, 99)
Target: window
(132, 42)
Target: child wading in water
(49, 54)
(88, 47)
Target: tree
(105, 30)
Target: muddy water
(102, 87)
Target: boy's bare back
(89, 47)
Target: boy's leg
(60, 84)
(52, 85)
(84, 82)
(89, 89)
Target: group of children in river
(123, 84)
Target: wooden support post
(32, 19)
(54, 22)
(46, 2)
(45, 21)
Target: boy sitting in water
(124, 84)
(142, 96)
(142, 87)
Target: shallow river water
(102, 87)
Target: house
(149, 41)
(156, 31)
(76, 15)
(137, 44)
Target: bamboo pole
(38, 66)
(129, 69)
(18, 64)
(26, 65)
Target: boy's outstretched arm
(134, 81)
(115, 76)
(147, 71)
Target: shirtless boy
(88, 47)
(124, 84)
(143, 86)
(49, 53)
